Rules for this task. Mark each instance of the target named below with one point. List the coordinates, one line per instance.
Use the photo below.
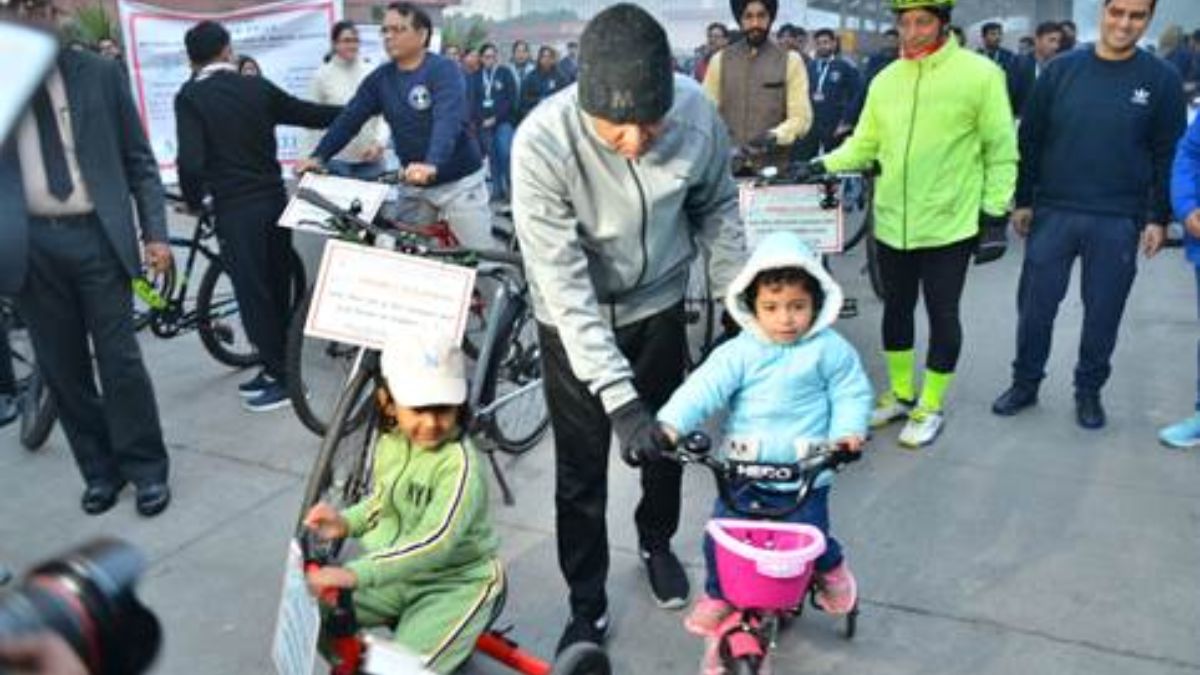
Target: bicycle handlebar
(350, 222)
(732, 476)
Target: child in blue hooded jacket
(786, 380)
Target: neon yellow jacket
(426, 517)
(942, 131)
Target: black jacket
(225, 124)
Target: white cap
(423, 371)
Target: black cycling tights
(940, 274)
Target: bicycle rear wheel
(519, 414)
(861, 216)
(509, 400)
(341, 474)
(874, 272)
(34, 403)
(218, 318)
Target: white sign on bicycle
(298, 623)
(344, 192)
(791, 208)
(363, 294)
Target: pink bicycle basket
(763, 564)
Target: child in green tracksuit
(429, 564)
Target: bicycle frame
(174, 319)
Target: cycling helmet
(902, 5)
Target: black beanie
(205, 41)
(739, 6)
(626, 73)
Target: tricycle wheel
(582, 658)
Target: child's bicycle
(765, 568)
(348, 646)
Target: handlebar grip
(503, 257)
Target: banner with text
(287, 39)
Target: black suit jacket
(1021, 78)
(114, 158)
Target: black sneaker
(668, 580)
(1089, 412)
(275, 396)
(581, 629)
(256, 386)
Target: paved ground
(1021, 546)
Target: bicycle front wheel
(34, 402)
(341, 475)
(317, 372)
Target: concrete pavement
(1011, 546)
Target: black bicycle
(163, 304)
(38, 411)
(505, 400)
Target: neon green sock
(933, 391)
(900, 367)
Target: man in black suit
(1028, 68)
(69, 178)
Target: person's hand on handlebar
(642, 439)
(419, 173)
(307, 164)
(807, 171)
(324, 578)
(852, 443)
(326, 522)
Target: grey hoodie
(607, 242)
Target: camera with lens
(87, 598)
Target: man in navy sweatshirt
(1097, 139)
(423, 97)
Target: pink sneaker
(706, 615)
(837, 592)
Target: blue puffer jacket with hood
(778, 396)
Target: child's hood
(782, 249)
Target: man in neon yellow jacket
(939, 124)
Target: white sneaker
(888, 409)
(922, 428)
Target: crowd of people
(617, 167)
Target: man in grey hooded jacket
(617, 182)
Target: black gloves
(642, 439)
(805, 172)
(993, 238)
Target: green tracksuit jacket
(942, 131)
(430, 563)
